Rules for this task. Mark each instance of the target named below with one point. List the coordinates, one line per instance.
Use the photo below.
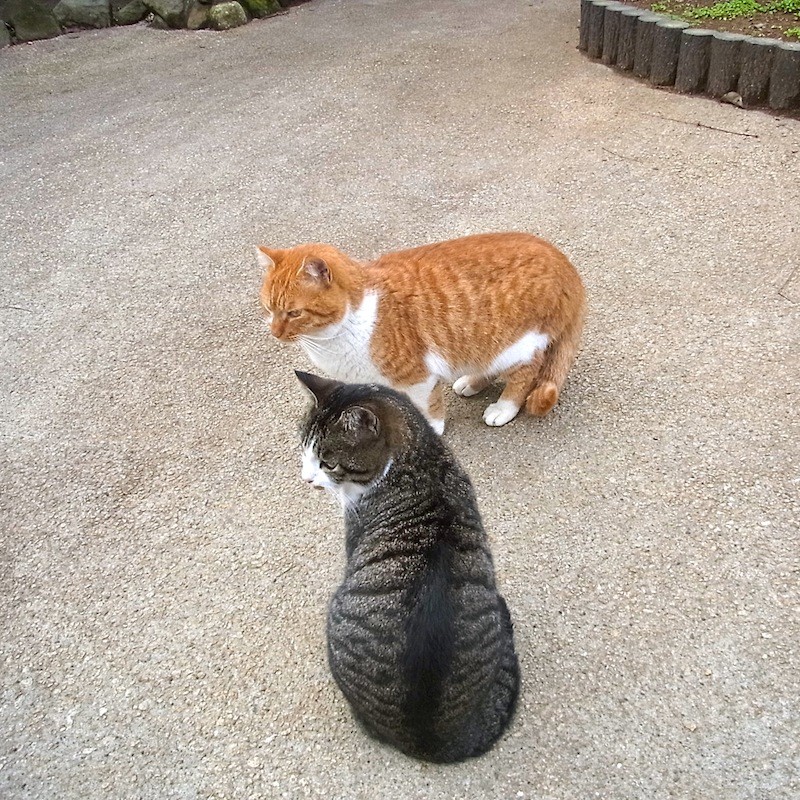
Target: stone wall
(30, 20)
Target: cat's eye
(294, 313)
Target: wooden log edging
(693, 60)
(765, 72)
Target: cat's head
(305, 288)
(349, 435)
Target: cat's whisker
(306, 336)
(314, 348)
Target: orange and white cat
(470, 310)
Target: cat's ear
(265, 258)
(317, 270)
(361, 421)
(319, 389)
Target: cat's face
(346, 443)
(300, 294)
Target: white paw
(437, 425)
(463, 387)
(500, 413)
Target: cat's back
(367, 621)
(419, 638)
(486, 255)
(474, 292)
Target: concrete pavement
(165, 574)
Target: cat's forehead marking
(277, 289)
(283, 288)
(305, 433)
(275, 295)
(314, 433)
(310, 464)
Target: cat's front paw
(500, 413)
(469, 385)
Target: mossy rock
(224, 16)
(131, 13)
(197, 15)
(30, 21)
(83, 14)
(260, 8)
(159, 24)
(172, 12)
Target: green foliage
(730, 9)
(792, 32)
(787, 6)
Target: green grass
(787, 6)
(729, 9)
(792, 32)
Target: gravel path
(165, 574)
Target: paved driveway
(165, 574)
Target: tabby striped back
(419, 639)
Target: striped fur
(419, 639)
(468, 311)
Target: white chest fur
(342, 350)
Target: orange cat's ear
(265, 258)
(317, 270)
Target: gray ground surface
(165, 574)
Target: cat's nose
(277, 328)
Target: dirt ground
(164, 573)
(773, 24)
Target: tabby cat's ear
(265, 258)
(361, 421)
(317, 270)
(318, 388)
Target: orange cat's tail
(558, 358)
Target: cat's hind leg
(519, 383)
(469, 385)
(558, 358)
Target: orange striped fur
(497, 305)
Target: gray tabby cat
(419, 639)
